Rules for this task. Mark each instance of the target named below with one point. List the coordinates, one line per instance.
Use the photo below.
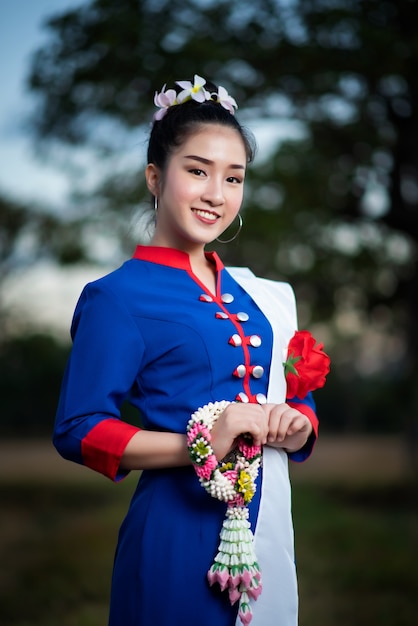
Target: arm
(153, 450)
(104, 362)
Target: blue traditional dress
(152, 333)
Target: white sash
(278, 603)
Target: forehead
(214, 142)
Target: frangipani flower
(194, 91)
(227, 101)
(164, 99)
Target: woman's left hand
(288, 427)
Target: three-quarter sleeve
(308, 408)
(101, 371)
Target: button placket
(244, 370)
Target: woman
(173, 330)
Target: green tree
(31, 369)
(334, 211)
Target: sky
(21, 175)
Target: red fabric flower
(306, 365)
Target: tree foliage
(335, 211)
(28, 233)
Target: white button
(240, 371)
(258, 371)
(236, 341)
(255, 341)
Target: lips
(208, 216)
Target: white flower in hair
(194, 91)
(164, 100)
(227, 101)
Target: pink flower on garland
(245, 613)
(205, 471)
(192, 432)
(219, 574)
(237, 501)
(234, 594)
(249, 451)
(255, 590)
(231, 475)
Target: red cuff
(102, 448)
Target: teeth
(206, 215)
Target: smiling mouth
(206, 215)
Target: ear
(153, 178)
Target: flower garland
(232, 480)
(235, 566)
(191, 91)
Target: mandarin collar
(171, 257)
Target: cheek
(179, 186)
(237, 199)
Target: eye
(197, 172)
(234, 179)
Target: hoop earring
(236, 234)
(155, 204)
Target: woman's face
(201, 191)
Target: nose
(213, 193)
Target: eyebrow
(195, 157)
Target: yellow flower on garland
(246, 486)
(225, 467)
(202, 448)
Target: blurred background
(330, 90)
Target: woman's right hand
(239, 418)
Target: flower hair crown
(191, 91)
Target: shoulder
(120, 285)
(118, 278)
(106, 297)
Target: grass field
(356, 523)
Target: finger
(238, 419)
(289, 423)
(277, 421)
(300, 424)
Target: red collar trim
(172, 257)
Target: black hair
(182, 119)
